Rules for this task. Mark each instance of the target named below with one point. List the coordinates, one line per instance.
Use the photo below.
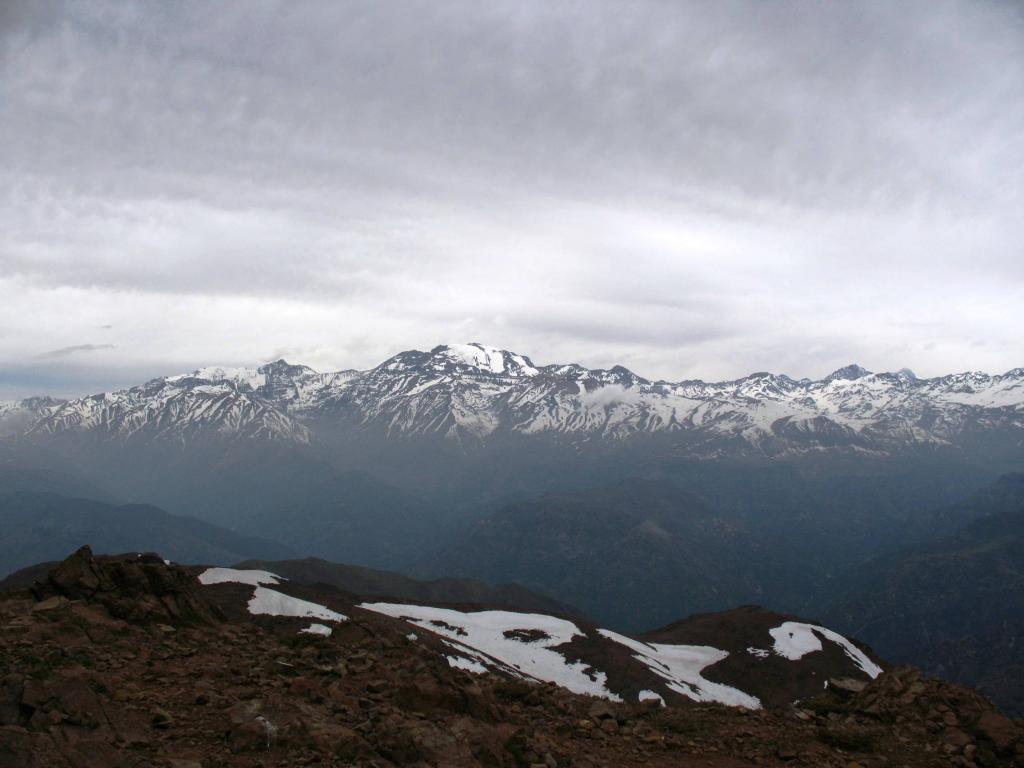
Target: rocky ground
(126, 662)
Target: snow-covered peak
(487, 359)
(473, 358)
(848, 373)
(250, 377)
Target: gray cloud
(56, 354)
(690, 189)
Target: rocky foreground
(127, 661)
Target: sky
(692, 190)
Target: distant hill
(954, 606)
(632, 555)
(14, 479)
(40, 527)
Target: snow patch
(794, 640)
(270, 602)
(460, 662)
(681, 666)
(650, 696)
(250, 377)
(522, 642)
(317, 629)
(231, 575)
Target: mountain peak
(486, 359)
(474, 358)
(848, 373)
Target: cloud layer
(692, 190)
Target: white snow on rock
(460, 662)
(527, 649)
(250, 377)
(650, 696)
(232, 575)
(681, 665)
(317, 629)
(794, 640)
(270, 602)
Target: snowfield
(681, 666)
(270, 602)
(522, 642)
(794, 640)
(527, 645)
(230, 575)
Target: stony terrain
(128, 662)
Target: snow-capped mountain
(470, 393)
(176, 408)
(17, 416)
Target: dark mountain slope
(954, 606)
(632, 555)
(45, 526)
(372, 583)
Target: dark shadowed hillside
(954, 606)
(633, 555)
(39, 527)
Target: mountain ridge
(470, 394)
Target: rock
(956, 738)
(601, 710)
(140, 589)
(846, 685)
(1000, 730)
(254, 735)
(11, 691)
(786, 753)
(161, 718)
(50, 604)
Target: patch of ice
(270, 602)
(761, 653)
(412, 636)
(226, 575)
(681, 666)
(528, 652)
(317, 629)
(460, 662)
(794, 640)
(650, 696)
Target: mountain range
(471, 394)
(632, 500)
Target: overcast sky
(693, 190)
